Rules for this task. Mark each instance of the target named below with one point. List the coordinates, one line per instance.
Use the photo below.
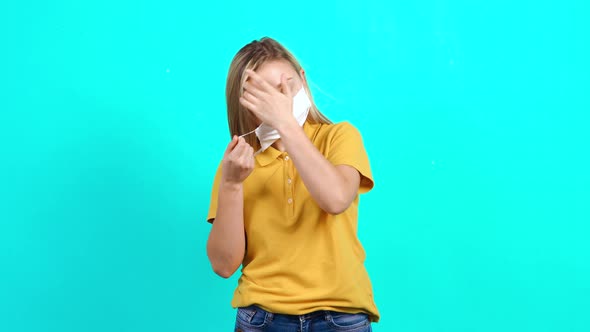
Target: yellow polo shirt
(299, 258)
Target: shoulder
(342, 131)
(345, 127)
(335, 137)
(339, 129)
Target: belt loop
(269, 316)
(328, 317)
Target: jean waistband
(304, 317)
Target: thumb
(232, 144)
(284, 86)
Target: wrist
(230, 185)
(287, 127)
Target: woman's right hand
(238, 161)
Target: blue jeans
(255, 319)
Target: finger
(284, 87)
(246, 154)
(251, 153)
(259, 81)
(261, 85)
(250, 157)
(249, 105)
(231, 144)
(239, 150)
(253, 89)
(251, 97)
(238, 145)
(247, 160)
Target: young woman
(284, 203)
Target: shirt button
(289, 181)
(286, 157)
(290, 201)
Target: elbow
(224, 265)
(336, 205)
(335, 210)
(224, 269)
(223, 272)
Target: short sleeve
(214, 194)
(346, 148)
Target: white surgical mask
(267, 135)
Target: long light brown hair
(252, 56)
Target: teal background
(474, 115)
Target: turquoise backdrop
(475, 115)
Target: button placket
(289, 181)
(289, 173)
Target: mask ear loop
(246, 134)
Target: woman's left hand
(270, 105)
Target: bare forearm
(226, 243)
(328, 187)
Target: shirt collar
(268, 156)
